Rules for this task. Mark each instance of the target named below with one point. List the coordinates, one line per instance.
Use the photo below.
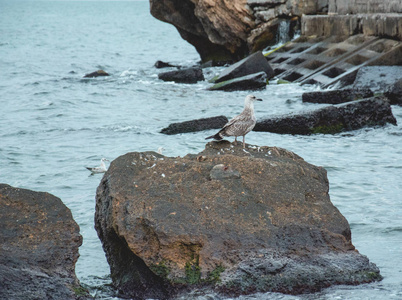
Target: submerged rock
(96, 74)
(234, 220)
(190, 75)
(255, 81)
(196, 125)
(252, 64)
(39, 241)
(337, 96)
(373, 111)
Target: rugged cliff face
(238, 221)
(217, 29)
(229, 30)
(223, 30)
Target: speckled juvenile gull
(100, 169)
(241, 124)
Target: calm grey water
(53, 123)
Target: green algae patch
(160, 269)
(328, 129)
(276, 49)
(193, 270)
(215, 275)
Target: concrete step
(325, 61)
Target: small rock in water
(96, 74)
(161, 64)
(190, 75)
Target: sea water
(54, 123)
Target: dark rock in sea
(255, 81)
(377, 78)
(189, 75)
(373, 111)
(394, 92)
(196, 125)
(233, 220)
(337, 96)
(161, 64)
(39, 243)
(96, 74)
(252, 64)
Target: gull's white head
(250, 99)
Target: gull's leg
(235, 140)
(244, 141)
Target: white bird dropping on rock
(101, 169)
(241, 124)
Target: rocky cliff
(229, 30)
(238, 221)
(224, 30)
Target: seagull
(160, 150)
(100, 169)
(241, 124)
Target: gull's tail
(215, 137)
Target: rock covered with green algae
(374, 111)
(172, 223)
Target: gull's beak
(258, 99)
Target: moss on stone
(215, 275)
(328, 129)
(80, 291)
(213, 79)
(160, 269)
(193, 270)
(272, 51)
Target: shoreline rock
(195, 125)
(394, 93)
(255, 81)
(39, 242)
(337, 96)
(189, 75)
(228, 220)
(375, 111)
(251, 64)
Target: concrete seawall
(334, 46)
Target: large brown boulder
(39, 243)
(217, 29)
(237, 220)
(229, 30)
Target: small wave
(128, 73)
(392, 229)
